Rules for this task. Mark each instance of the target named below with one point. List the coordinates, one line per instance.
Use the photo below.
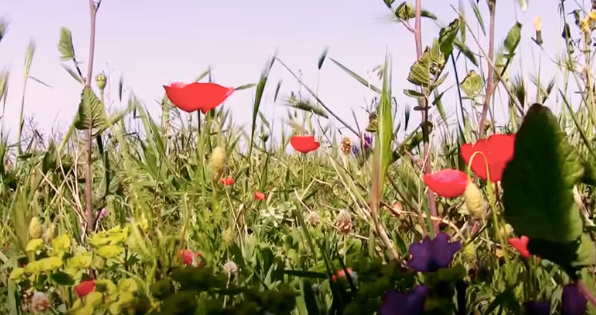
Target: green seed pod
(218, 161)
(101, 81)
(474, 200)
(48, 236)
(228, 237)
(35, 230)
(469, 253)
(506, 230)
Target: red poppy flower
(187, 256)
(448, 183)
(259, 195)
(341, 273)
(304, 144)
(85, 287)
(498, 150)
(197, 96)
(228, 181)
(521, 245)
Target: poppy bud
(506, 230)
(35, 230)
(228, 236)
(218, 161)
(469, 253)
(474, 200)
(101, 81)
(48, 236)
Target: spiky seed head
(228, 237)
(343, 222)
(40, 302)
(469, 253)
(49, 234)
(35, 230)
(230, 268)
(313, 218)
(506, 230)
(218, 161)
(474, 200)
(346, 145)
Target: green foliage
(65, 45)
(538, 197)
(91, 113)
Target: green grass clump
(123, 214)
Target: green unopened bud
(35, 229)
(218, 161)
(228, 237)
(469, 253)
(101, 81)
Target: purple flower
(368, 140)
(355, 150)
(431, 255)
(573, 302)
(537, 308)
(404, 303)
(103, 213)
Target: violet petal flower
(368, 140)
(573, 301)
(537, 308)
(355, 150)
(431, 255)
(404, 303)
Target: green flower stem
(493, 209)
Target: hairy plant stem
(490, 85)
(89, 132)
(426, 167)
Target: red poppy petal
(176, 96)
(479, 163)
(197, 96)
(521, 245)
(501, 146)
(304, 144)
(448, 183)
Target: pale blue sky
(154, 42)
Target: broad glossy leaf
(538, 183)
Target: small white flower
(230, 268)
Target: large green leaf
(538, 192)
(91, 112)
(538, 182)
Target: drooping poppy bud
(474, 200)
